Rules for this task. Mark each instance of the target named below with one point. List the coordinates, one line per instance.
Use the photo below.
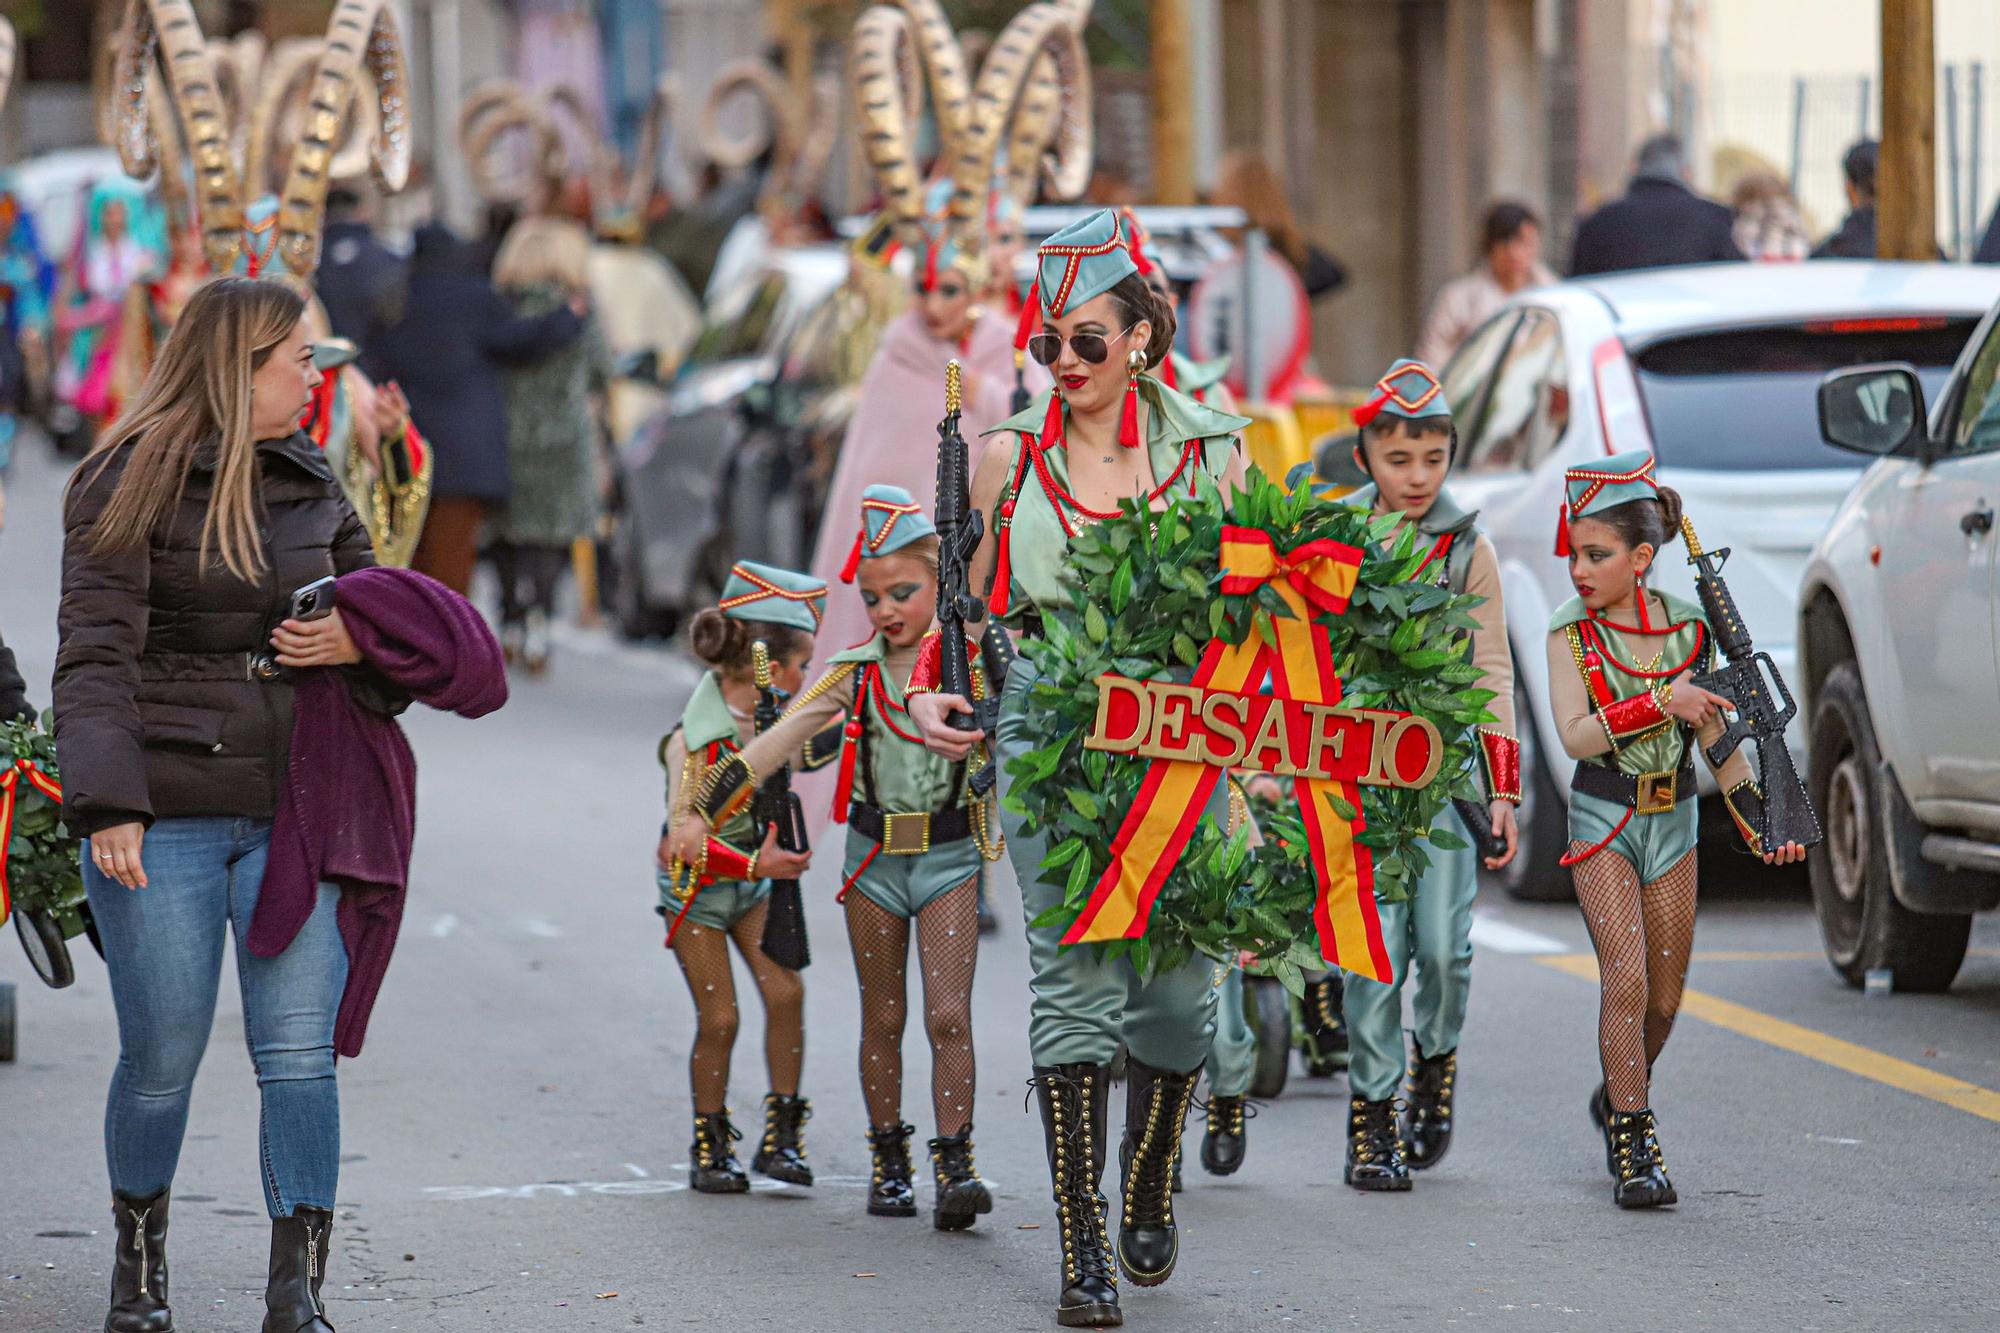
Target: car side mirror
(1873, 410)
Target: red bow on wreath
(10, 783)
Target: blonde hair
(1247, 182)
(197, 396)
(543, 250)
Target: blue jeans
(163, 947)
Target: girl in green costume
(915, 837)
(1621, 662)
(716, 890)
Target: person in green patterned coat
(552, 432)
(915, 840)
(1621, 662)
(718, 891)
(1109, 431)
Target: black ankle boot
(1427, 1124)
(1374, 1147)
(782, 1153)
(1074, 1101)
(1600, 1115)
(1325, 1029)
(299, 1245)
(139, 1266)
(1156, 1107)
(1224, 1141)
(1640, 1169)
(712, 1164)
(961, 1194)
(890, 1193)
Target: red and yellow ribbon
(1313, 579)
(10, 783)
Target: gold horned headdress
(250, 120)
(500, 114)
(799, 133)
(1021, 126)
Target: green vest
(905, 777)
(1038, 540)
(707, 721)
(1444, 516)
(1663, 750)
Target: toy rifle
(776, 803)
(1762, 707)
(959, 528)
(1479, 823)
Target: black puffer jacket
(158, 713)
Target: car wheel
(1861, 924)
(1269, 1010)
(1536, 875)
(48, 951)
(636, 617)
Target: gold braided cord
(835, 674)
(986, 808)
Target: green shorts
(1654, 844)
(905, 885)
(718, 906)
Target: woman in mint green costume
(1621, 659)
(1109, 431)
(718, 892)
(915, 838)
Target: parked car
(1714, 368)
(706, 479)
(1900, 669)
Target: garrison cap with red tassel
(1410, 390)
(1617, 480)
(1082, 261)
(890, 520)
(773, 596)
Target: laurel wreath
(1145, 600)
(43, 874)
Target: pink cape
(893, 438)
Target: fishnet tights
(704, 958)
(1642, 934)
(948, 950)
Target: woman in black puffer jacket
(185, 535)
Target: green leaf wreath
(1146, 590)
(43, 874)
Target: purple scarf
(349, 812)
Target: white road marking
(542, 928)
(443, 926)
(1490, 932)
(638, 1172)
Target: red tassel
(1562, 532)
(1128, 416)
(1645, 621)
(853, 565)
(1031, 316)
(1168, 378)
(1003, 569)
(931, 265)
(849, 745)
(1052, 424)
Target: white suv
(1900, 668)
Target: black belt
(909, 834)
(176, 668)
(1647, 793)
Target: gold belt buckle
(1658, 792)
(907, 834)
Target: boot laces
(1226, 1115)
(891, 1151)
(1371, 1127)
(1149, 1189)
(785, 1122)
(1080, 1205)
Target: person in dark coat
(14, 705)
(444, 338)
(1856, 237)
(356, 272)
(185, 535)
(1659, 222)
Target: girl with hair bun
(1621, 661)
(719, 891)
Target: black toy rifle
(959, 529)
(776, 803)
(1762, 707)
(1479, 823)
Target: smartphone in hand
(314, 601)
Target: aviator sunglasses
(1093, 348)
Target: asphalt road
(515, 1133)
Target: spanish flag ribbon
(10, 782)
(1313, 579)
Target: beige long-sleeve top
(1491, 652)
(1461, 306)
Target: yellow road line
(1860, 1060)
(1791, 955)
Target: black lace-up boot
(1641, 1170)
(712, 1164)
(1074, 1100)
(139, 1266)
(890, 1193)
(1224, 1141)
(961, 1194)
(1427, 1124)
(1156, 1107)
(781, 1154)
(1374, 1147)
(299, 1246)
(1324, 1029)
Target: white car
(1899, 670)
(1714, 368)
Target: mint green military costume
(707, 721)
(1232, 1056)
